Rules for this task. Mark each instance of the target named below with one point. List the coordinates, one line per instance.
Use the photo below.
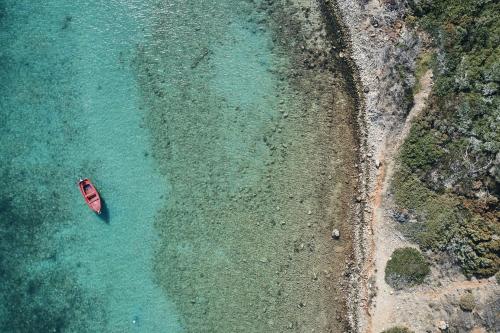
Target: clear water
(70, 108)
(216, 174)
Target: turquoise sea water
(70, 108)
(216, 173)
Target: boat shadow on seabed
(104, 216)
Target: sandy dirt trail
(385, 239)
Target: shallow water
(219, 176)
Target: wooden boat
(90, 195)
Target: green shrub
(409, 191)
(421, 149)
(398, 329)
(407, 267)
(442, 218)
(444, 224)
(467, 302)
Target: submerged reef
(255, 132)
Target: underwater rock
(67, 22)
(335, 234)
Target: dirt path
(454, 286)
(420, 101)
(385, 239)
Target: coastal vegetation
(447, 183)
(407, 267)
(398, 329)
(467, 302)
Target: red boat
(90, 195)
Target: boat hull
(90, 195)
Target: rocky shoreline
(375, 30)
(338, 35)
(369, 33)
(349, 67)
(329, 51)
(336, 25)
(369, 41)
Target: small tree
(467, 302)
(407, 267)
